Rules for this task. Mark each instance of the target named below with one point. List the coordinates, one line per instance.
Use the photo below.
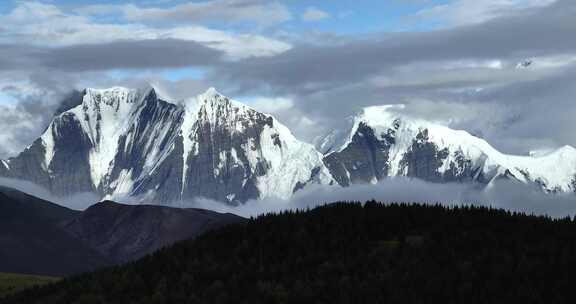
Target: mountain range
(126, 144)
(383, 142)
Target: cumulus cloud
(156, 53)
(78, 201)
(473, 65)
(215, 11)
(22, 121)
(270, 104)
(471, 12)
(312, 14)
(43, 24)
(316, 67)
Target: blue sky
(346, 16)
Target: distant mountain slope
(122, 143)
(39, 237)
(348, 253)
(381, 142)
(32, 242)
(123, 232)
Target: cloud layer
(504, 195)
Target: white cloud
(504, 194)
(79, 201)
(216, 11)
(236, 46)
(15, 125)
(462, 12)
(470, 74)
(550, 62)
(45, 24)
(284, 110)
(314, 14)
(270, 104)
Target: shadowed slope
(126, 232)
(39, 237)
(32, 241)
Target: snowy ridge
(191, 110)
(132, 146)
(292, 162)
(554, 171)
(150, 130)
(108, 113)
(289, 160)
(135, 145)
(103, 116)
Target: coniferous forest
(348, 253)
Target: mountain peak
(213, 99)
(113, 96)
(565, 151)
(403, 142)
(111, 90)
(212, 91)
(568, 148)
(379, 115)
(211, 95)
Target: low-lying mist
(503, 194)
(79, 201)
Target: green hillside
(11, 282)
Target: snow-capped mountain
(123, 143)
(126, 144)
(381, 142)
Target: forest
(347, 252)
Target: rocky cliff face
(381, 142)
(234, 153)
(123, 143)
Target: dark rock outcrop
(363, 160)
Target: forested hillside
(348, 253)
